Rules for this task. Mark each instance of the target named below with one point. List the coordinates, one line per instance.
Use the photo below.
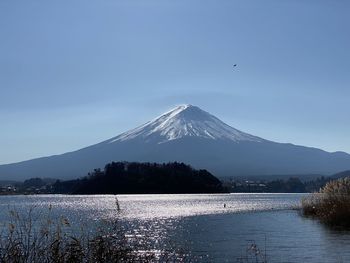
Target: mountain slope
(185, 121)
(191, 135)
(341, 175)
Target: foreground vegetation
(31, 238)
(39, 238)
(44, 237)
(331, 204)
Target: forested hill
(142, 178)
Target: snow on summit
(185, 121)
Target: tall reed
(33, 238)
(331, 204)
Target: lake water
(199, 227)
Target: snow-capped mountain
(185, 121)
(191, 135)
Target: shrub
(31, 238)
(331, 204)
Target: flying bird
(235, 65)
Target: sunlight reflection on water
(199, 226)
(146, 207)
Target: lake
(199, 227)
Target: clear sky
(74, 73)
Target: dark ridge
(142, 178)
(341, 175)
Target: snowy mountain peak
(185, 121)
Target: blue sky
(74, 73)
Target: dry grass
(253, 254)
(331, 204)
(31, 238)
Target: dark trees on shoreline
(142, 178)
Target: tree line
(142, 178)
